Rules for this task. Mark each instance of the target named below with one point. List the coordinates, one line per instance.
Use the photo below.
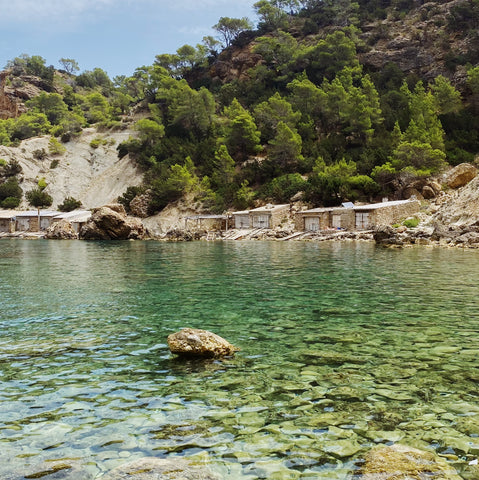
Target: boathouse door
(311, 224)
(336, 221)
(261, 221)
(362, 220)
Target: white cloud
(34, 11)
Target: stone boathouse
(355, 217)
(268, 216)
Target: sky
(115, 35)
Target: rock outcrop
(160, 469)
(8, 107)
(110, 222)
(139, 206)
(178, 235)
(199, 343)
(62, 230)
(460, 175)
(461, 208)
(413, 42)
(400, 462)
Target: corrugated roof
(370, 206)
(375, 206)
(270, 208)
(207, 216)
(323, 210)
(34, 213)
(74, 216)
(8, 213)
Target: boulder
(139, 206)
(428, 192)
(137, 229)
(110, 222)
(199, 343)
(460, 175)
(400, 462)
(178, 235)
(436, 186)
(386, 235)
(62, 230)
(160, 469)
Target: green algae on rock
(401, 462)
(160, 469)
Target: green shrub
(10, 188)
(39, 154)
(10, 169)
(69, 204)
(55, 147)
(38, 198)
(96, 142)
(54, 163)
(11, 202)
(411, 222)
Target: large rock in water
(199, 343)
(460, 175)
(160, 469)
(110, 222)
(61, 230)
(400, 462)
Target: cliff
(95, 176)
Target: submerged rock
(400, 462)
(160, 469)
(200, 343)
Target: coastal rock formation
(386, 235)
(61, 230)
(110, 222)
(400, 462)
(200, 343)
(178, 235)
(8, 107)
(461, 208)
(160, 469)
(460, 175)
(139, 206)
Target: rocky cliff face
(95, 176)
(417, 42)
(461, 207)
(9, 108)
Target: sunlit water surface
(343, 346)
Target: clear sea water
(343, 346)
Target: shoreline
(383, 236)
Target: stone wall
(279, 216)
(394, 213)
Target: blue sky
(116, 35)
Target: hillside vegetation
(324, 101)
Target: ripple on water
(343, 347)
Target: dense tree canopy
(285, 108)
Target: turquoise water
(343, 346)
